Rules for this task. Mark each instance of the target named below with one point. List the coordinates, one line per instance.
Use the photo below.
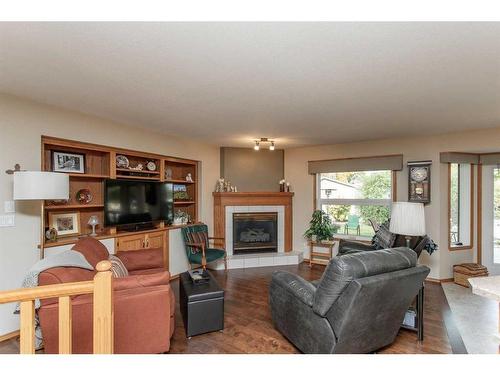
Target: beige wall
(413, 148)
(251, 170)
(21, 125)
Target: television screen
(136, 202)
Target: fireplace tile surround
(227, 204)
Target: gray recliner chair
(356, 307)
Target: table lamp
(408, 219)
(93, 221)
(32, 185)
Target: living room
(262, 187)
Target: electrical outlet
(9, 207)
(7, 220)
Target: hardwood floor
(248, 327)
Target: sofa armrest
(350, 247)
(142, 321)
(300, 288)
(144, 259)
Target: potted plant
(320, 227)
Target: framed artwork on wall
(419, 181)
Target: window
(460, 202)
(496, 215)
(352, 199)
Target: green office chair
(198, 250)
(352, 223)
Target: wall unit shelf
(136, 171)
(180, 182)
(132, 177)
(99, 165)
(73, 206)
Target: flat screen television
(133, 202)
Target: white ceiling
(227, 83)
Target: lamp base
(408, 239)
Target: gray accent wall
(251, 170)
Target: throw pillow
(117, 267)
(197, 237)
(383, 238)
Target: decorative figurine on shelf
(189, 178)
(223, 186)
(93, 221)
(168, 174)
(51, 234)
(219, 186)
(138, 167)
(282, 185)
(287, 187)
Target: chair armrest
(300, 288)
(195, 244)
(349, 247)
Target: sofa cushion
(117, 267)
(141, 259)
(342, 270)
(93, 250)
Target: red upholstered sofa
(144, 303)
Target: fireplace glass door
(255, 232)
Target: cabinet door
(155, 240)
(130, 243)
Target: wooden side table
(326, 256)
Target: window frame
(318, 202)
(471, 229)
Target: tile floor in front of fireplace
(261, 260)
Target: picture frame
(68, 162)
(65, 223)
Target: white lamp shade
(408, 219)
(30, 185)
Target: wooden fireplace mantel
(221, 200)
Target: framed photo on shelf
(65, 223)
(68, 162)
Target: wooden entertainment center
(100, 164)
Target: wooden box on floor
(462, 272)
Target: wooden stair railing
(102, 289)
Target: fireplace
(255, 232)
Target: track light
(265, 140)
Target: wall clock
(419, 181)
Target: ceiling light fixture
(265, 140)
